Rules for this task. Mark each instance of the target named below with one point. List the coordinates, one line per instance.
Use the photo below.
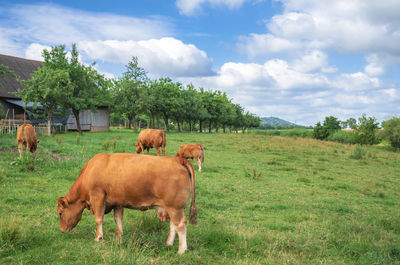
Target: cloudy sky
(299, 60)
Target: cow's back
(134, 181)
(152, 138)
(26, 133)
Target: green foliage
(365, 131)
(330, 126)
(320, 132)
(344, 137)
(27, 162)
(10, 233)
(391, 131)
(2, 114)
(5, 71)
(64, 84)
(358, 152)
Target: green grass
(261, 199)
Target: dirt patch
(60, 158)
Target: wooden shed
(97, 121)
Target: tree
(330, 126)
(63, 83)
(90, 89)
(366, 130)
(391, 131)
(5, 71)
(49, 87)
(127, 90)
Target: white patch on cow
(172, 233)
(182, 237)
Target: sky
(299, 60)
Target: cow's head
(70, 213)
(138, 149)
(34, 146)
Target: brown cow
(26, 136)
(193, 151)
(151, 138)
(117, 181)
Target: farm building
(91, 121)
(15, 109)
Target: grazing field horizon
(261, 199)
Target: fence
(11, 127)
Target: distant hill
(274, 121)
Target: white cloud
(192, 7)
(34, 51)
(164, 57)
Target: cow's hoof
(98, 239)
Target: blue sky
(300, 60)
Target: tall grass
(261, 199)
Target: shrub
(391, 131)
(330, 126)
(358, 152)
(366, 130)
(344, 137)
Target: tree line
(134, 94)
(64, 84)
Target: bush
(391, 131)
(344, 137)
(330, 126)
(366, 131)
(358, 152)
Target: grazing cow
(26, 136)
(151, 138)
(193, 151)
(142, 182)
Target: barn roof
(23, 68)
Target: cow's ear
(38, 141)
(135, 144)
(63, 202)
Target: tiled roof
(23, 68)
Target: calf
(117, 181)
(151, 138)
(26, 137)
(193, 151)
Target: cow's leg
(158, 151)
(178, 219)
(199, 163)
(20, 149)
(118, 215)
(163, 150)
(172, 233)
(98, 209)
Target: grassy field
(261, 200)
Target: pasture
(261, 199)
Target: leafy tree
(330, 126)
(391, 131)
(349, 123)
(63, 83)
(366, 130)
(127, 90)
(49, 87)
(5, 71)
(89, 88)
(192, 106)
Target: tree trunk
(190, 126)
(78, 123)
(179, 126)
(134, 123)
(201, 126)
(216, 127)
(224, 127)
(210, 126)
(49, 122)
(129, 122)
(166, 123)
(153, 121)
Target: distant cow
(26, 136)
(151, 138)
(142, 182)
(192, 151)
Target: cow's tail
(193, 211)
(202, 153)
